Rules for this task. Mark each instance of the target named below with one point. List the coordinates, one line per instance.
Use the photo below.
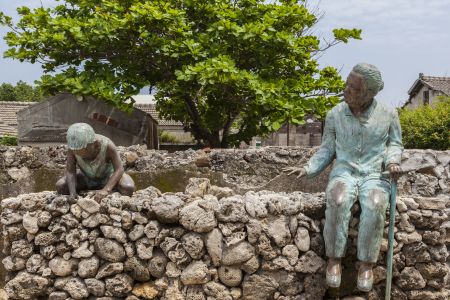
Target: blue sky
(401, 37)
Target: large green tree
(22, 91)
(227, 69)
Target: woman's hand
(395, 170)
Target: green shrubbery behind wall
(427, 127)
(8, 140)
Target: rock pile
(205, 243)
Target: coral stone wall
(207, 243)
(27, 169)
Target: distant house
(174, 128)
(425, 90)
(8, 118)
(309, 134)
(46, 123)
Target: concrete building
(145, 103)
(46, 123)
(425, 90)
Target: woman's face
(356, 93)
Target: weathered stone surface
(95, 220)
(88, 268)
(230, 276)
(144, 248)
(136, 233)
(432, 270)
(109, 250)
(137, 269)
(58, 296)
(95, 287)
(115, 233)
(416, 253)
(302, 239)
(157, 264)
(152, 229)
(408, 238)
(119, 285)
(195, 273)
(14, 264)
(89, 205)
(278, 230)
(429, 295)
(175, 251)
(254, 230)
(265, 248)
(193, 292)
(214, 246)
(221, 192)
(431, 203)
(291, 253)
(198, 216)
(232, 209)
(167, 207)
(193, 244)
(45, 239)
(76, 288)
(238, 254)
(84, 251)
(62, 267)
(315, 287)
(145, 290)
(109, 269)
(197, 187)
(254, 206)
(26, 286)
(30, 222)
(9, 218)
(36, 264)
(259, 287)
(410, 279)
(217, 291)
(251, 265)
(309, 262)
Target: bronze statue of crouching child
(100, 167)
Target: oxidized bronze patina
(365, 139)
(100, 167)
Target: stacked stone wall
(28, 169)
(207, 243)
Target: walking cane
(390, 253)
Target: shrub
(427, 127)
(8, 140)
(166, 137)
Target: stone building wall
(207, 243)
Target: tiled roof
(438, 83)
(8, 117)
(151, 110)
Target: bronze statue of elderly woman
(98, 162)
(364, 138)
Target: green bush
(166, 137)
(8, 140)
(427, 127)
